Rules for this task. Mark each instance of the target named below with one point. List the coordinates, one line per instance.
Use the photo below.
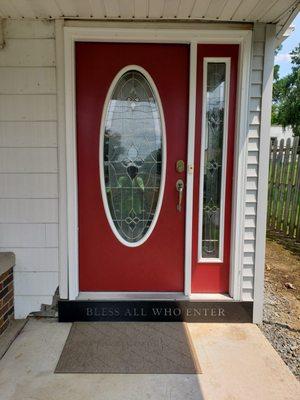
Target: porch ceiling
(270, 11)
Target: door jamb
(70, 287)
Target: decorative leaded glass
(213, 159)
(132, 155)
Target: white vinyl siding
(256, 77)
(27, 80)
(28, 160)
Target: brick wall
(6, 298)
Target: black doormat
(128, 348)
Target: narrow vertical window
(213, 159)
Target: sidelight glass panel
(213, 169)
(132, 156)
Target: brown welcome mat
(128, 348)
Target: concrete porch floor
(237, 362)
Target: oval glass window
(132, 160)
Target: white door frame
(69, 281)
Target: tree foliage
(286, 95)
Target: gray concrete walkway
(237, 363)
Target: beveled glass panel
(132, 155)
(213, 158)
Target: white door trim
(240, 169)
(190, 171)
(178, 35)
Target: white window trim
(69, 281)
(164, 154)
(227, 62)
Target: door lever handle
(179, 188)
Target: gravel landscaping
(281, 323)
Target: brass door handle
(179, 188)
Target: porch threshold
(155, 310)
(152, 296)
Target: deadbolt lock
(180, 166)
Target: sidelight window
(213, 159)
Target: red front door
(131, 131)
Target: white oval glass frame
(154, 89)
